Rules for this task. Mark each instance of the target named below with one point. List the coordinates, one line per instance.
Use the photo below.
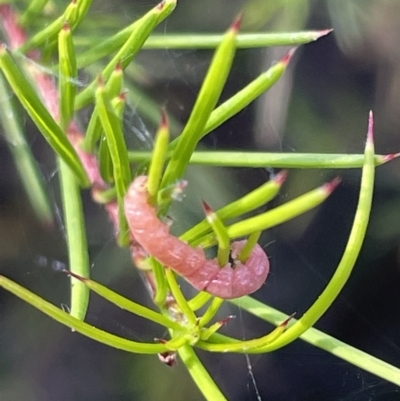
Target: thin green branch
(200, 376)
(321, 340)
(244, 40)
(350, 254)
(78, 254)
(79, 326)
(276, 160)
(40, 115)
(25, 163)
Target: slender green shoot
(320, 340)
(79, 326)
(199, 300)
(179, 297)
(249, 246)
(220, 233)
(67, 76)
(26, 165)
(244, 40)
(126, 304)
(199, 374)
(211, 311)
(115, 42)
(350, 254)
(275, 160)
(158, 158)
(273, 217)
(112, 126)
(206, 100)
(78, 255)
(133, 44)
(50, 32)
(41, 116)
(249, 202)
(34, 8)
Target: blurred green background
(320, 105)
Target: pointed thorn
(322, 33)
(370, 134)
(160, 6)
(330, 186)
(286, 322)
(280, 178)
(207, 209)
(118, 66)
(100, 80)
(164, 119)
(226, 320)
(235, 27)
(286, 59)
(389, 157)
(122, 96)
(74, 275)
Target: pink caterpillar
(191, 263)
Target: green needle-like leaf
(132, 45)
(179, 297)
(244, 40)
(78, 254)
(127, 304)
(115, 42)
(199, 374)
(50, 32)
(211, 311)
(157, 161)
(221, 234)
(208, 96)
(79, 326)
(276, 160)
(199, 300)
(253, 200)
(67, 76)
(112, 126)
(105, 161)
(162, 289)
(94, 129)
(244, 97)
(278, 215)
(40, 116)
(350, 254)
(249, 246)
(249, 93)
(34, 8)
(321, 340)
(25, 163)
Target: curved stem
(79, 326)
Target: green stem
(277, 160)
(323, 341)
(76, 239)
(199, 374)
(349, 257)
(25, 163)
(79, 326)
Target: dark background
(321, 105)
